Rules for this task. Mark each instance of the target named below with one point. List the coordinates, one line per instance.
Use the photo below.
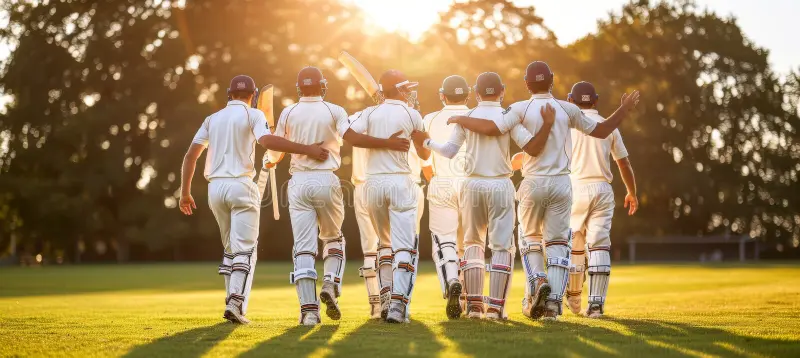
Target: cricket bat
(265, 104)
(362, 76)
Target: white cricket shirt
(555, 158)
(436, 125)
(231, 135)
(312, 121)
(590, 155)
(382, 121)
(485, 156)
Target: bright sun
(409, 17)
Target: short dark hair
(456, 98)
(310, 91)
(240, 95)
(541, 86)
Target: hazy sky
(768, 23)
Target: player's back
(312, 121)
(486, 156)
(555, 157)
(437, 127)
(231, 142)
(591, 156)
(382, 122)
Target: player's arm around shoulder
(422, 152)
(535, 144)
(354, 134)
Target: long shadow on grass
(191, 343)
(624, 338)
(297, 341)
(377, 338)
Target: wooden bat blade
(360, 73)
(266, 104)
(273, 188)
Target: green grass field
(175, 310)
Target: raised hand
(186, 204)
(629, 102)
(396, 143)
(548, 114)
(419, 137)
(316, 151)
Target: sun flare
(408, 17)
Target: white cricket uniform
(444, 190)
(487, 205)
(391, 193)
(230, 136)
(445, 186)
(316, 206)
(545, 194)
(592, 210)
(593, 199)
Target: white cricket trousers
(487, 205)
(592, 211)
(235, 204)
(444, 210)
(393, 202)
(544, 211)
(369, 236)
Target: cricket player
(545, 194)
(391, 194)
(593, 203)
(487, 198)
(316, 205)
(444, 191)
(230, 135)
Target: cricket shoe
(234, 314)
(475, 313)
(533, 304)
(328, 297)
(595, 310)
(453, 309)
(574, 303)
(310, 319)
(397, 313)
(551, 310)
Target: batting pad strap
(600, 248)
(367, 272)
(236, 298)
(577, 268)
(407, 266)
(333, 252)
(597, 299)
(499, 268)
(599, 269)
(374, 299)
(240, 267)
(399, 297)
(225, 270)
(331, 277)
(558, 262)
(309, 307)
(537, 276)
(468, 264)
(528, 247)
(411, 251)
(557, 243)
(496, 303)
(309, 253)
(301, 274)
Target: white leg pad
(304, 277)
(403, 275)
(445, 257)
(473, 266)
(333, 262)
(370, 274)
(225, 271)
(599, 272)
(577, 272)
(500, 272)
(385, 260)
(240, 275)
(558, 264)
(532, 256)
